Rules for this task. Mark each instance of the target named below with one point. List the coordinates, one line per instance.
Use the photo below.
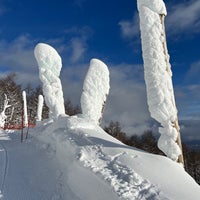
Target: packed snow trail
(124, 180)
(4, 166)
(32, 174)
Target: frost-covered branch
(157, 69)
(95, 91)
(2, 114)
(50, 65)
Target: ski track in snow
(125, 182)
(4, 163)
(5, 166)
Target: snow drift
(74, 159)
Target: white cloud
(126, 101)
(130, 28)
(72, 77)
(190, 130)
(17, 55)
(194, 72)
(187, 100)
(78, 49)
(183, 18)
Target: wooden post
(102, 110)
(22, 134)
(178, 141)
(175, 123)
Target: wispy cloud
(78, 49)
(130, 28)
(79, 37)
(190, 130)
(187, 99)
(17, 55)
(184, 18)
(127, 98)
(193, 72)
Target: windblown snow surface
(73, 159)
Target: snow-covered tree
(157, 69)
(2, 114)
(95, 90)
(25, 117)
(13, 92)
(39, 108)
(50, 65)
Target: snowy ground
(72, 159)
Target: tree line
(13, 92)
(148, 142)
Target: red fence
(17, 126)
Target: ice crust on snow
(157, 71)
(95, 90)
(50, 64)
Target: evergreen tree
(114, 129)
(70, 109)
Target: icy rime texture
(50, 64)
(2, 114)
(158, 74)
(2, 119)
(25, 108)
(95, 90)
(39, 108)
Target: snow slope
(73, 159)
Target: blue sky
(109, 30)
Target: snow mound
(126, 172)
(72, 158)
(50, 64)
(95, 90)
